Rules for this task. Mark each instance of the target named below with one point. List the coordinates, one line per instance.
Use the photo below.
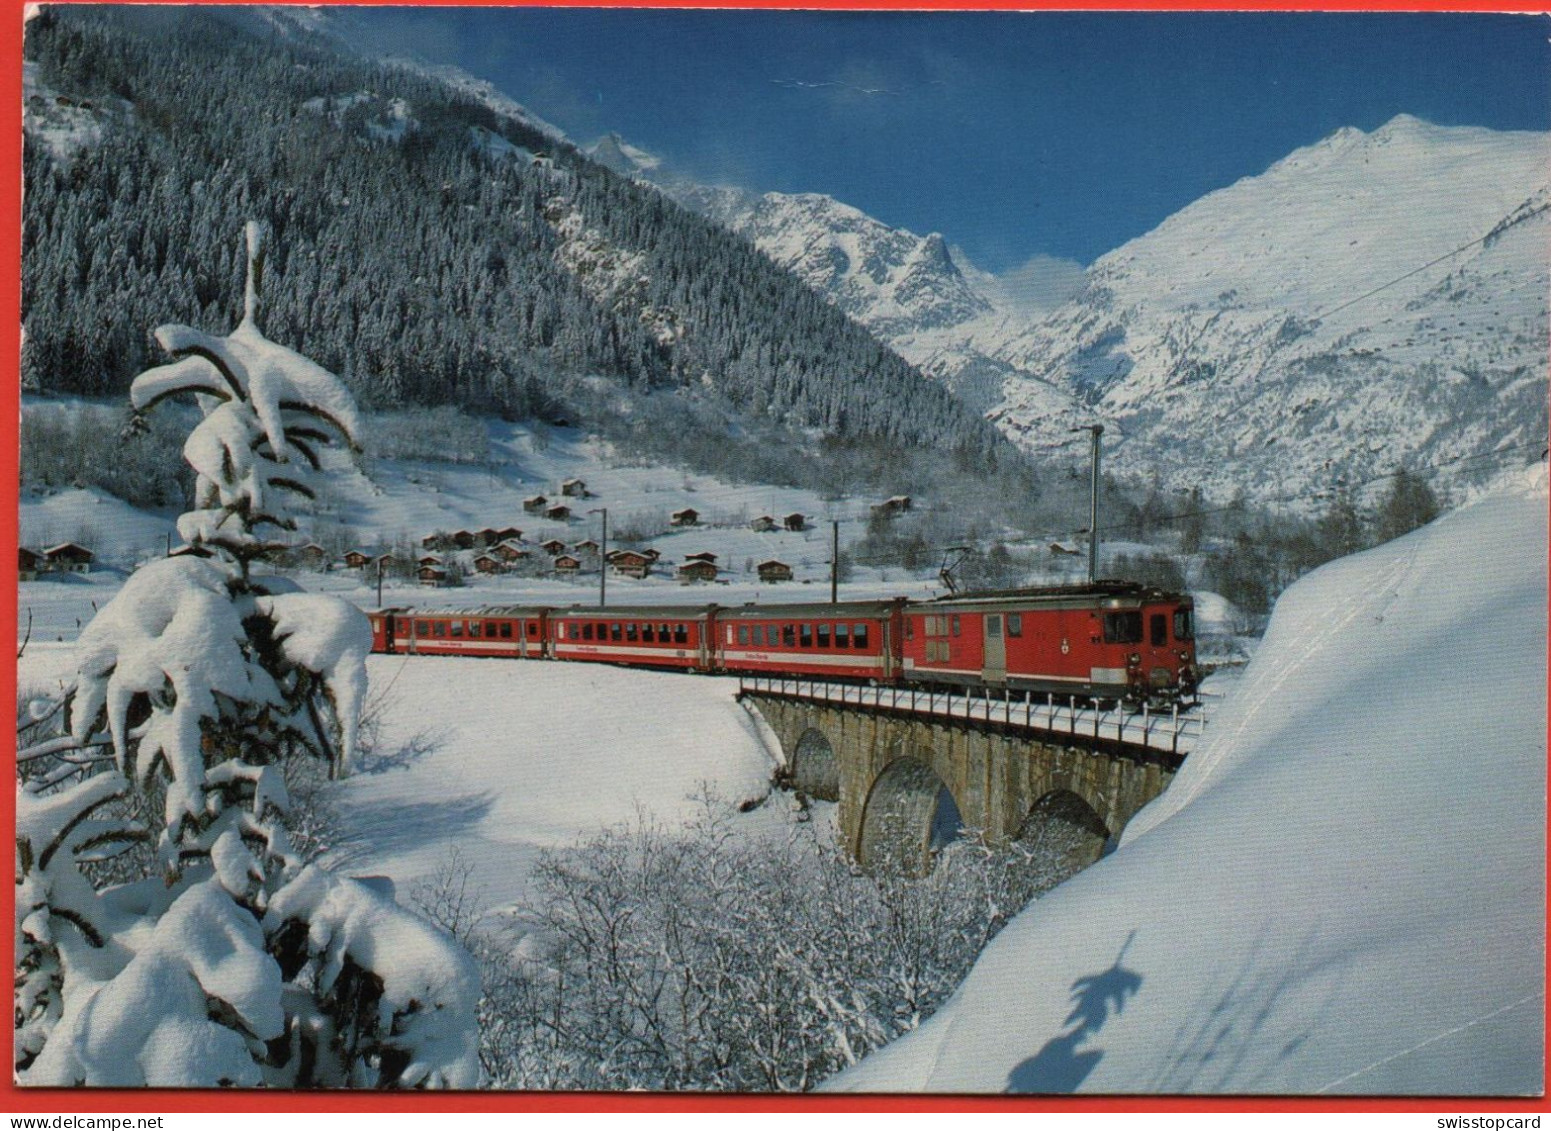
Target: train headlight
(1134, 658)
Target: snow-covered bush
(703, 958)
(226, 959)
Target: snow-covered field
(496, 760)
(1343, 892)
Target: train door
(995, 663)
(389, 621)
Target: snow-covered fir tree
(168, 933)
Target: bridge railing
(1173, 730)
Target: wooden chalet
(489, 563)
(696, 571)
(429, 560)
(552, 547)
(432, 575)
(689, 516)
(535, 504)
(509, 551)
(463, 539)
(704, 556)
(587, 546)
(28, 563)
(508, 534)
(763, 524)
(356, 559)
(631, 563)
(897, 504)
(67, 557)
(559, 513)
(574, 489)
(567, 563)
(795, 522)
(773, 571)
(489, 536)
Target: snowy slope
(1214, 347)
(527, 756)
(1273, 336)
(1343, 892)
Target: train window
(615, 631)
(805, 634)
(1123, 628)
(993, 627)
(1183, 629)
(648, 634)
(457, 628)
(955, 624)
(681, 634)
(910, 629)
(423, 628)
(506, 630)
(858, 636)
(533, 629)
(587, 630)
(664, 632)
(788, 636)
(1158, 630)
(1014, 624)
(743, 634)
(823, 636)
(630, 631)
(842, 636)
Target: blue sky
(1018, 136)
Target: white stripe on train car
(566, 647)
(864, 660)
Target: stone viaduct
(907, 781)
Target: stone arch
(909, 815)
(1063, 834)
(813, 766)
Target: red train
(1110, 640)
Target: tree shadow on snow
(1062, 1065)
(389, 828)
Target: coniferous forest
(427, 248)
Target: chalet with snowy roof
(67, 557)
(586, 546)
(696, 571)
(567, 563)
(704, 556)
(558, 513)
(689, 516)
(489, 563)
(630, 563)
(574, 489)
(763, 524)
(463, 539)
(28, 563)
(535, 504)
(386, 561)
(651, 554)
(435, 541)
(429, 560)
(795, 522)
(552, 547)
(773, 571)
(488, 536)
(508, 534)
(432, 575)
(509, 551)
(356, 559)
(897, 504)
(312, 556)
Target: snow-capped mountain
(1300, 330)
(1372, 300)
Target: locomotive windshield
(1123, 628)
(1184, 626)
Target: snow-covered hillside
(1342, 892)
(1271, 337)
(1287, 331)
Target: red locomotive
(1111, 640)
